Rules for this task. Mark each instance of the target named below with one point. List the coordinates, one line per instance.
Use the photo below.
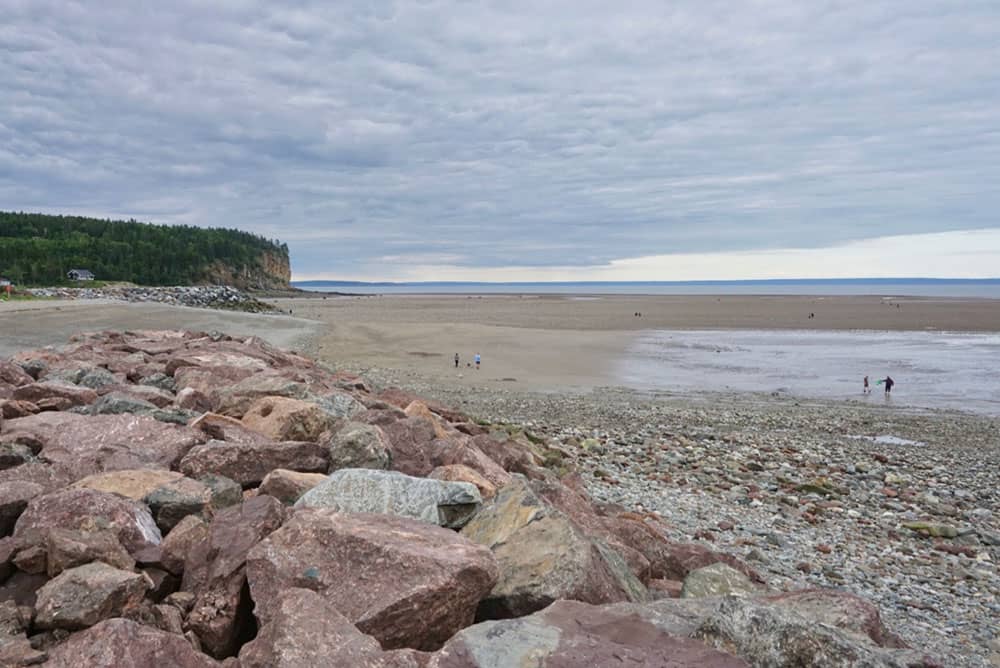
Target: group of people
(476, 359)
(887, 381)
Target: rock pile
(233, 504)
(203, 296)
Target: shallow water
(931, 369)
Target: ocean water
(985, 288)
(931, 369)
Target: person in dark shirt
(889, 382)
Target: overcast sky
(552, 139)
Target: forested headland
(38, 249)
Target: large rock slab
(89, 510)
(284, 419)
(306, 631)
(409, 442)
(82, 445)
(249, 464)
(448, 504)
(215, 571)
(570, 633)
(405, 582)
(358, 445)
(544, 556)
(843, 610)
(170, 496)
(121, 643)
(85, 595)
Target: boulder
(121, 643)
(15, 649)
(225, 491)
(570, 633)
(458, 451)
(37, 393)
(11, 409)
(287, 486)
(215, 570)
(224, 428)
(181, 541)
(409, 442)
(284, 419)
(544, 556)
(357, 445)
(85, 595)
(69, 548)
(155, 396)
(407, 583)
(679, 559)
(840, 609)
(766, 634)
(81, 445)
(193, 400)
(14, 498)
(159, 381)
(14, 375)
(447, 504)
(463, 473)
(169, 495)
(307, 631)
(248, 465)
(419, 409)
(88, 510)
(237, 398)
(716, 580)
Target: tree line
(38, 249)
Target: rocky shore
(894, 504)
(205, 296)
(180, 498)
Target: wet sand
(564, 342)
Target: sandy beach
(563, 342)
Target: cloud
(569, 134)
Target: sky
(544, 140)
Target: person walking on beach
(867, 390)
(456, 360)
(477, 358)
(889, 382)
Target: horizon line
(749, 281)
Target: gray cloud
(569, 132)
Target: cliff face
(271, 271)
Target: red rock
(249, 464)
(11, 409)
(81, 445)
(462, 473)
(12, 374)
(405, 582)
(401, 399)
(87, 510)
(287, 486)
(824, 548)
(410, 442)
(120, 643)
(39, 392)
(215, 570)
(14, 498)
(69, 548)
(307, 631)
(181, 541)
(570, 633)
(85, 595)
(193, 400)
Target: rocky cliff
(270, 271)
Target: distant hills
(39, 249)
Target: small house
(5, 282)
(79, 275)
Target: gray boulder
(85, 595)
(447, 504)
(116, 403)
(358, 445)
